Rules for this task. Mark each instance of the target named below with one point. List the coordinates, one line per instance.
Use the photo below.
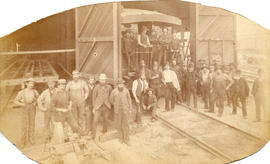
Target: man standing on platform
(101, 103)
(165, 39)
(27, 98)
(78, 92)
(129, 50)
(139, 87)
(44, 104)
(144, 45)
(120, 98)
(171, 83)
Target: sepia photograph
(136, 82)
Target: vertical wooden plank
(194, 30)
(209, 56)
(76, 40)
(115, 40)
(235, 45)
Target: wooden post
(235, 39)
(76, 40)
(116, 41)
(194, 29)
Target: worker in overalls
(120, 98)
(78, 92)
(44, 104)
(89, 104)
(27, 99)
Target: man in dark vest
(101, 103)
(239, 90)
(89, 104)
(139, 87)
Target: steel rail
(195, 140)
(233, 127)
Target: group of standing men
(151, 47)
(79, 103)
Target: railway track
(224, 141)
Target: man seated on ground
(150, 103)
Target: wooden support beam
(38, 52)
(51, 68)
(40, 69)
(7, 68)
(65, 70)
(85, 21)
(76, 39)
(98, 39)
(116, 29)
(19, 69)
(26, 70)
(87, 55)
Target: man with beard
(78, 92)
(205, 86)
(101, 103)
(44, 104)
(26, 98)
(120, 98)
(218, 90)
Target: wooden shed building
(88, 38)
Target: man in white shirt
(170, 80)
(139, 87)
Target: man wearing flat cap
(78, 92)
(101, 103)
(120, 98)
(61, 106)
(44, 104)
(27, 98)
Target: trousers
(243, 104)
(170, 96)
(28, 123)
(103, 112)
(122, 125)
(189, 92)
(79, 113)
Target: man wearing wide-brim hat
(101, 103)
(120, 98)
(26, 98)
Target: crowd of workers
(81, 103)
